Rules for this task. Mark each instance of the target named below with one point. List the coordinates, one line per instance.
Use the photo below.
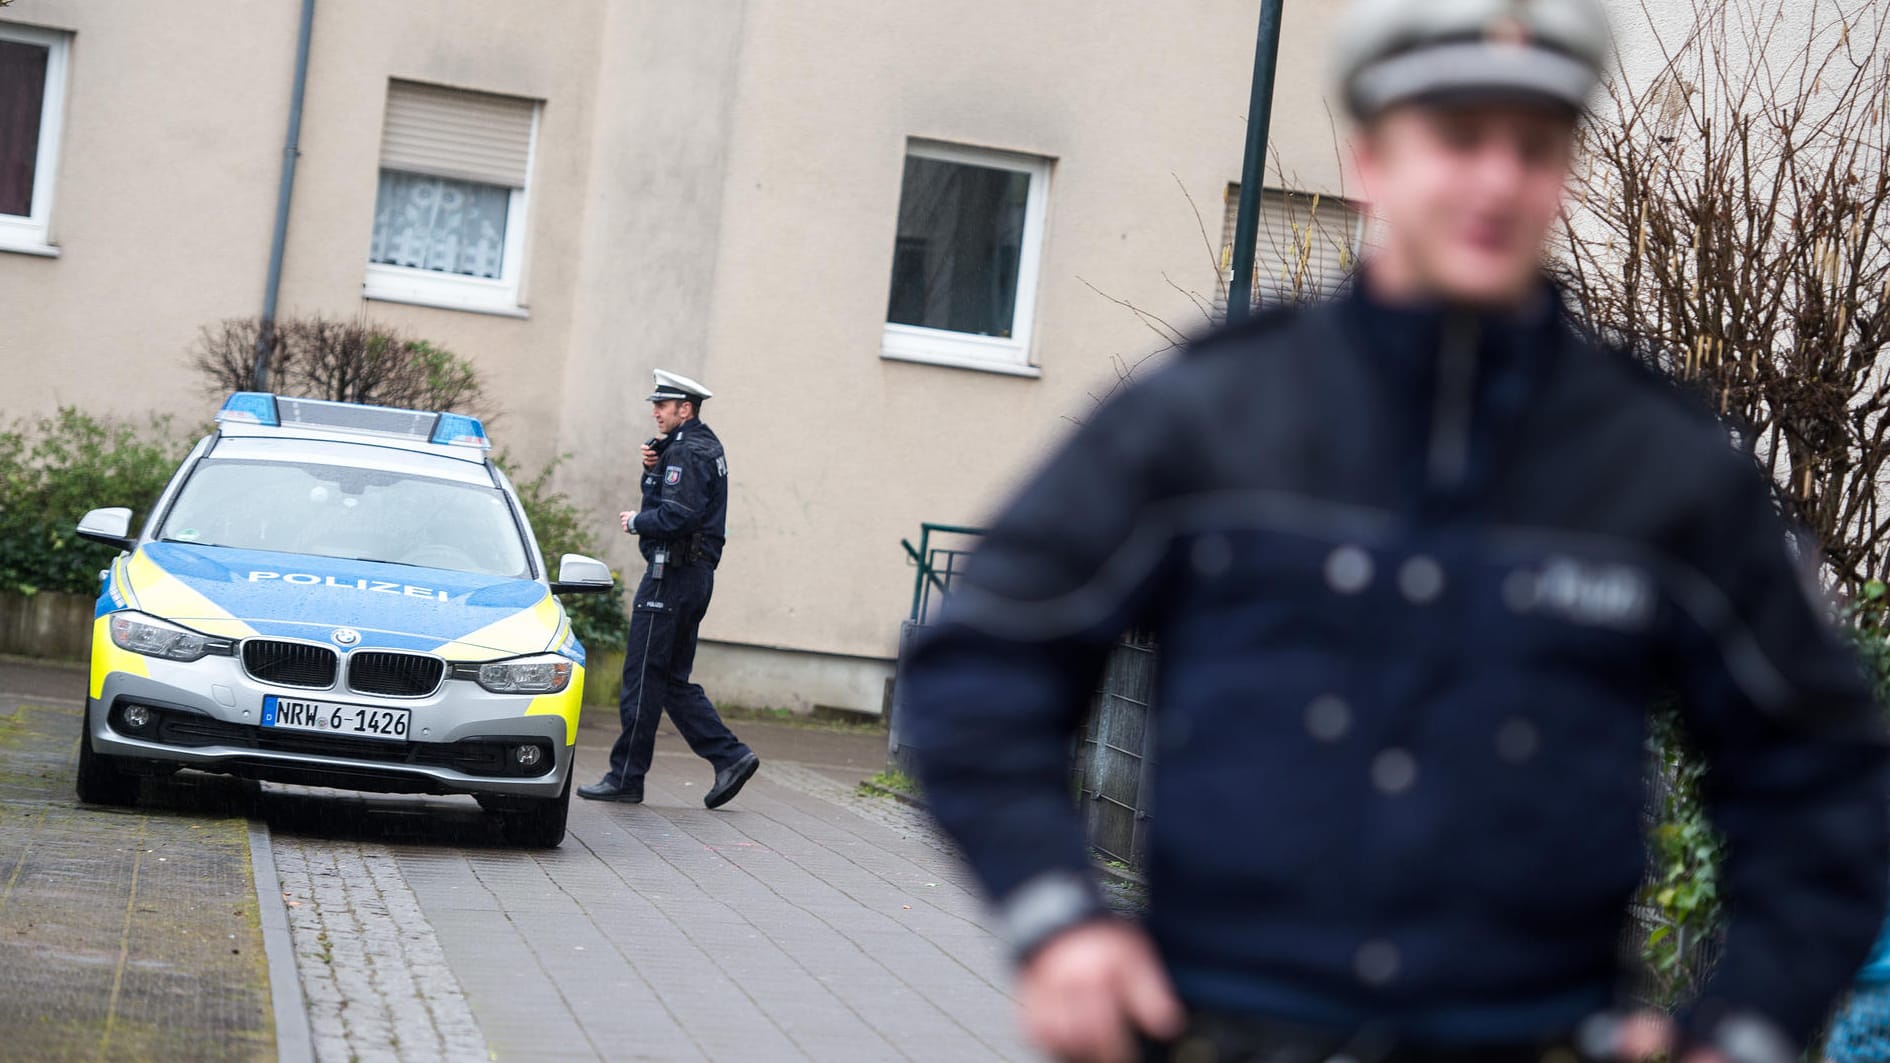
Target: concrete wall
(837, 453)
(164, 198)
(547, 54)
(167, 189)
(648, 249)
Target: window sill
(957, 350)
(959, 361)
(439, 303)
(443, 291)
(28, 247)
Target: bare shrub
(1730, 228)
(343, 360)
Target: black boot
(730, 780)
(630, 793)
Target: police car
(338, 595)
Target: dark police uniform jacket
(685, 497)
(1416, 577)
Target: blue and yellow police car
(338, 595)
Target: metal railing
(938, 567)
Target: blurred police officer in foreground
(1418, 562)
(681, 529)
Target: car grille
(394, 675)
(289, 664)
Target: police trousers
(658, 657)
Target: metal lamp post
(1253, 169)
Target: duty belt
(685, 551)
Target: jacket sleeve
(1778, 703)
(996, 690)
(683, 477)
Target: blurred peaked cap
(1394, 51)
(676, 386)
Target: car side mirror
(578, 574)
(109, 526)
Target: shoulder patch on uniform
(672, 475)
(721, 465)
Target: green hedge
(55, 469)
(1682, 892)
(562, 528)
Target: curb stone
(295, 1043)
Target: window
(449, 215)
(964, 272)
(32, 98)
(1308, 245)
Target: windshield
(345, 512)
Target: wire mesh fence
(1116, 755)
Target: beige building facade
(572, 194)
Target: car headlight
(547, 674)
(147, 635)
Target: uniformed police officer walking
(681, 528)
(1418, 562)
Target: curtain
(436, 223)
(22, 98)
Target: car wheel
(537, 823)
(100, 780)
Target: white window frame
(503, 295)
(964, 350)
(32, 234)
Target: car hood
(243, 593)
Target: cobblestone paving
(376, 983)
(124, 933)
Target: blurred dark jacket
(1416, 576)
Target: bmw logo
(346, 636)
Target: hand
(649, 457)
(1088, 991)
(1649, 1035)
(627, 518)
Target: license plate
(361, 721)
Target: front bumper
(207, 715)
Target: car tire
(538, 823)
(100, 781)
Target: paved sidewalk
(801, 923)
(124, 934)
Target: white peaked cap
(676, 386)
(1392, 51)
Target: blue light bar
(249, 407)
(265, 410)
(459, 430)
